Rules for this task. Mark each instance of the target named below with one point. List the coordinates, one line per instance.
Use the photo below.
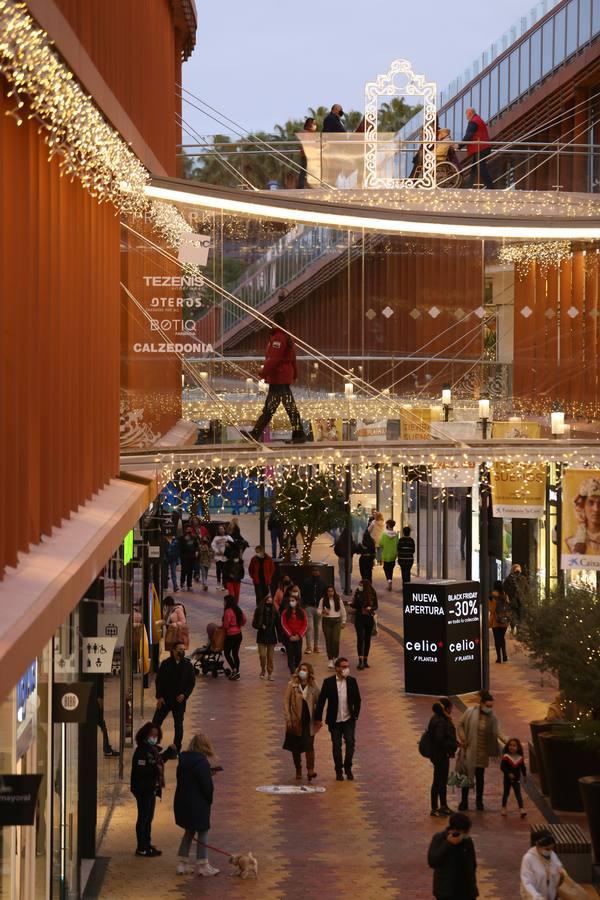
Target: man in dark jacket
(516, 587)
(406, 554)
(279, 371)
(175, 681)
(275, 524)
(261, 570)
(341, 694)
(443, 744)
(477, 145)
(189, 547)
(333, 119)
(312, 589)
(452, 857)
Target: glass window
(559, 36)
(595, 17)
(514, 75)
(503, 88)
(585, 15)
(494, 91)
(535, 44)
(485, 97)
(547, 39)
(476, 97)
(524, 66)
(571, 27)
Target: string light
(546, 254)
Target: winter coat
(406, 549)
(174, 678)
(205, 555)
(477, 136)
(362, 599)
(172, 550)
(328, 611)
(194, 792)
(312, 590)
(279, 366)
(513, 765)
(468, 731)
(147, 773)
(292, 705)
(389, 545)
(294, 622)
(454, 868)
(539, 877)
(268, 569)
(188, 547)
(275, 522)
(340, 548)
(332, 123)
(367, 546)
(442, 734)
(265, 620)
(219, 545)
(499, 613)
(234, 566)
(230, 622)
(376, 529)
(175, 615)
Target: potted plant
(560, 631)
(309, 507)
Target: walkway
(371, 836)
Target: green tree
(394, 115)
(310, 506)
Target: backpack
(339, 548)
(425, 747)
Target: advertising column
(442, 638)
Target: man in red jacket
(279, 371)
(477, 145)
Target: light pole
(446, 404)
(484, 561)
(446, 400)
(484, 414)
(557, 423)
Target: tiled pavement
(369, 838)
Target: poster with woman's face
(580, 519)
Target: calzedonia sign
(442, 637)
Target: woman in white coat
(541, 870)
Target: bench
(573, 848)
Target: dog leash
(216, 849)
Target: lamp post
(446, 400)
(446, 405)
(557, 423)
(484, 553)
(484, 414)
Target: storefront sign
(442, 653)
(580, 519)
(193, 249)
(98, 654)
(18, 799)
(373, 431)
(518, 490)
(453, 474)
(153, 551)
(516, 430)
(111, 625)
(326, 429)
(415, 422)
(71, 701)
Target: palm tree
(393, 115)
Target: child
(513, 766)
(205, 556)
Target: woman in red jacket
(233, 621)
(294, 622)
(279, 371)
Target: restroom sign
(98, 654)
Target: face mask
(546, 854)
(303, 675)
(359, 588)
(153, 740)
(345, 672)
(486, 710)
(293, 603)
(341, 113)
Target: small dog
(244, 864)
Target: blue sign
(26, 686)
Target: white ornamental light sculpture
(412, 86)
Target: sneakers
(523, 814)
(270, 677)
(307, 651)
(339, 776)
(151, 851)
(349, 775)
(235, 676)
(331, 664)
(366, 665)
(389, 586)
(436, 813)
(503, 811)
(109, 753)
(204, 587)
(315, 650)
(262, 675)
(360, 666)
(444, 811)
(205, 869)
(184, 869)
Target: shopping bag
(570, 890)
(460, 776)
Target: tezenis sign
(442, 638)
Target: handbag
(177, 634)
(460, 776)
(570, 890)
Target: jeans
(312, 630)
(479, 785)
(516, 786)
(276, 538)
(343, 730)
(439, 789)
(178, 710)
(476, 169)
(171, 570)
(203, 574)
(364, 630)
(265, 654)
(405, 567)
(278, 393)
(143, 826)
(294, 654)
(231, 650)
(365, 566)
(332, 630)
(342, 572)
(186, 844)
(220, 565)
(187, 572)
(388, 568)
(500, 643)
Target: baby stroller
(209, 659)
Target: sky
(266, 61)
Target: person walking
(192, 804)
(499, 619)
(175, 619)
(313, 588)
(389, 550)
(477, 144)
(233, 570)
(333, 613)
(513, 768)
(462, 527)
(406, 554)
(341, 695)
(219, 544)
(266, 623)
(171, 561)
(284, 584)
(279, 371)
(233, 621)
(516, 588)
(261, 570)
(275, 525)
(294, 623)
(343, 546)
(443, 745)
(452, 857)
(376, 527)
(299, 705)
(478, 734)
(205, 556)
(541, 870)
(333, 120)
(364, 604)
(366, 556)
(175, 681)
(199, 531)
(188, 552)
(146, 783)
